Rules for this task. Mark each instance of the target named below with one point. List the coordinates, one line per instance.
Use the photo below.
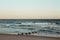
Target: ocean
(39, 27)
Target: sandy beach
(26, 37)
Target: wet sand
(26, 37)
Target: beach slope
(26, 37)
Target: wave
(26, 27)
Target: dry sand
(26, 37)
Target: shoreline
(31, 34)
(26, 37)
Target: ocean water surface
(43, 27)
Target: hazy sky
(30, 9)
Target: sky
(29, 9)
